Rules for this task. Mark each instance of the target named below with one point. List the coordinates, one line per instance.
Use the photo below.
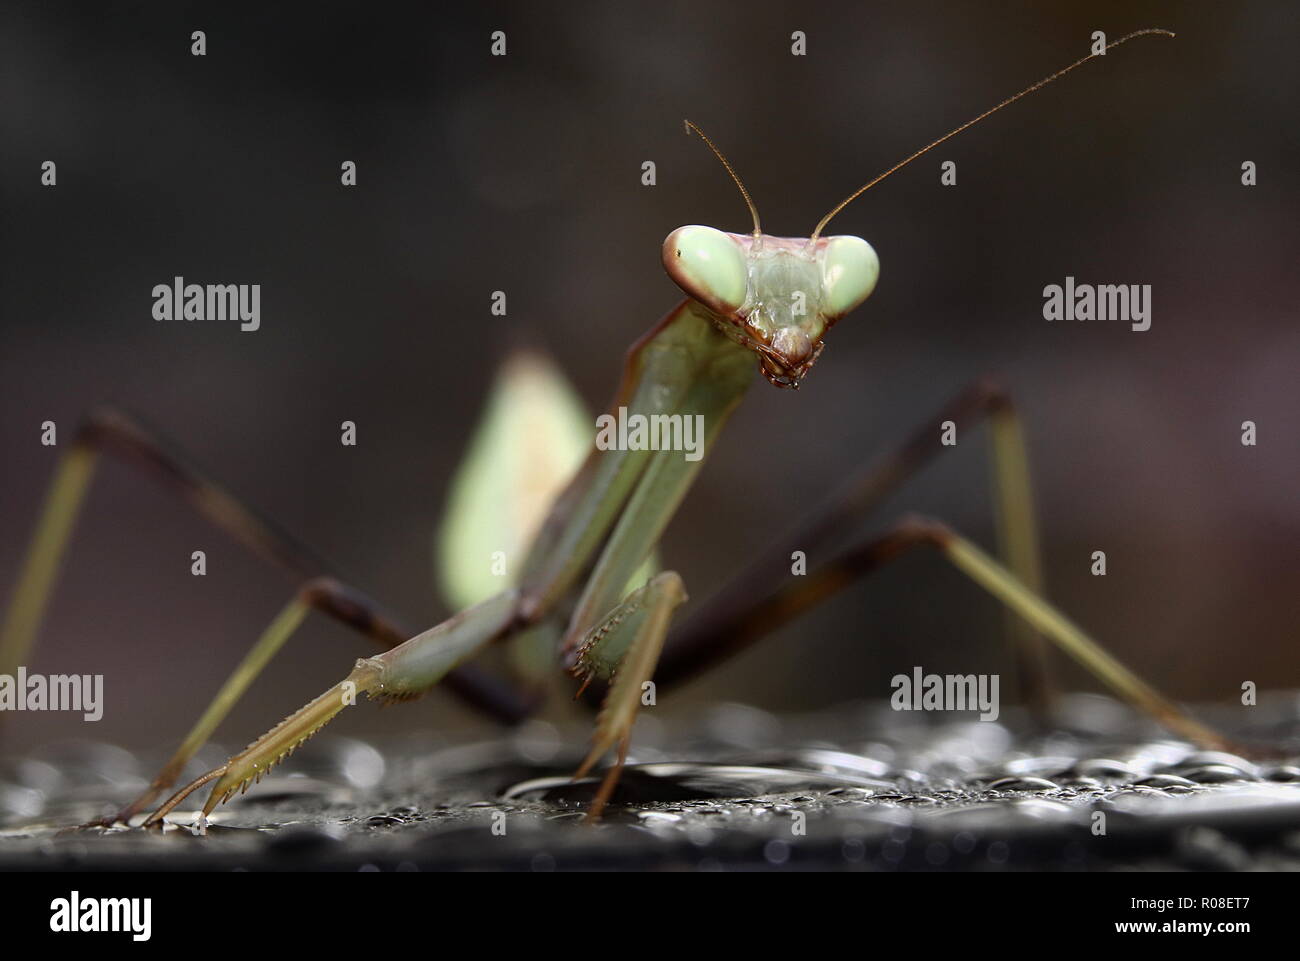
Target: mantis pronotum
(747, 295)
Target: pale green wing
(531, 438)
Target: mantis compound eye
(708, 265)
(849, 272)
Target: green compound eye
(849, 272)
(709, 265)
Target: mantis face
(775, 295)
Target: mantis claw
(156, 819)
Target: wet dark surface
(858, 788)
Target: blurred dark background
(522, 173)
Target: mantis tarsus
(747, 295)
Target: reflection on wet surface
(857, 787)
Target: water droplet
(1023, 784)
(1164, 781)
(1206, 758)
(1045, 766)
(1214, 774)
(1103, 769)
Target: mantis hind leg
(801, 593)
(623, 648)
(54, 527)
(114, 432)
(111, 431)
(708, 636)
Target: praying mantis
(748, 297)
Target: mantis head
(777, 296)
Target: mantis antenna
(970, 123)
(753, 211)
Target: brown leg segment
(801, 593)
(709, 635)
(111, 431)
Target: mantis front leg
(685, 367)
(621, 644)
(624, 649)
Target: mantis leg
(110, 431)
(321, 594)
(623, 648)
(715, 381)
(803, 592)
(400, 674)
(682, 368)
(707, 636)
